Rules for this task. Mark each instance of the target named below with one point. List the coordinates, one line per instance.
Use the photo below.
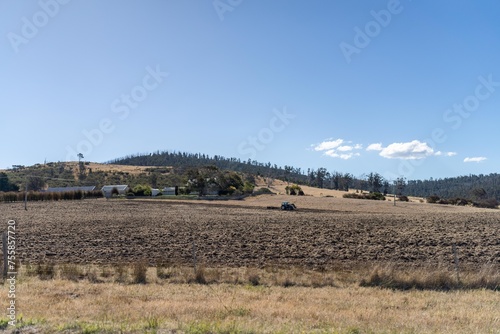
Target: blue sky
(403, 88)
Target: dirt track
(247, 234)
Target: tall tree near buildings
(35, 183)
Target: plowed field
(325, 233)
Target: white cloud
(412, 150)
(408, 151)
(335, 149)
(375, 147)
(328, 145)
(345, 148)
(345, 156)
(474, 159)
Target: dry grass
(279, 186)
(433, 279)
(282, 301)
(110, 168)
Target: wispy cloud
(338, 148)
(446, 154)
(475, 159)
(412, 150)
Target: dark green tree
(35, 183)
(5, 184)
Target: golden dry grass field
(258, 270)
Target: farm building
(170, 191)
(66, 189)
(108, 190)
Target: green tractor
(288, 206)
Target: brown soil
(325, 233)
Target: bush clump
(263, 191)
(403, 198)
(142, 190)
(373, 196)
(293, 190)
(433, 199)
(490, 203)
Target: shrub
(263, 191)
(486, 203)
(142, 190)
(372, 196)
(458, 201)
(248, 187)
(200, 276)
(403, 198)
(433, 199)
(376, 196)
(254, 279)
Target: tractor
(288, 206)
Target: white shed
(170, 191)
(108, 190)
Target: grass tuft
(200, 277)
(139, 272)
(4, 323)
(254, 279)
(45, 271)
(70, 272)
(121, 273)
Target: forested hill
(470, 187)
(183, 160)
